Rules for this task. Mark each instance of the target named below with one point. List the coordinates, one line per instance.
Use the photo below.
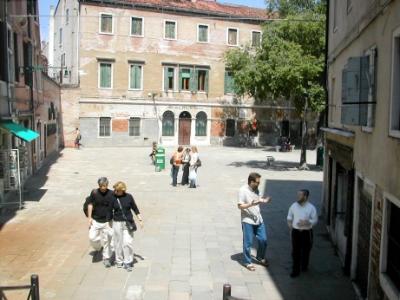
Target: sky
(44, 11)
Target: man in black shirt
(100, 231)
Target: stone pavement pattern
(191, 242)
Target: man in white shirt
(301, 218)
(252, 221)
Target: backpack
(86, 203)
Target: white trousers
(100, 235)
(123, 243)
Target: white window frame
(259, 31)
(369, 128)
(395, 60)
(227, 36)
(140, 127)
(98, 75)
(98, 128)
(176, 78)
(141, 77)
(130, 29)
(386, 283)
(198, 33)
(176, 30)
(112, 23)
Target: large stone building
(362, 162)
(29, 99)
(138, 71)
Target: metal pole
(19, 179)
(35, 287)
(226, 291)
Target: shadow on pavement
(277, 165)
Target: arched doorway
(185, 126)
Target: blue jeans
(175, 170)
(249, 231)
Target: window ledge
(394, 133)
(367, 129)
(169, 39)
(137, 36)
(388, 287)
(104, 137)
(106, 33)
(200, 42)
(229, 45)
(136, 90)
(105, 89)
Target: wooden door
(184, 131)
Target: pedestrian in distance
(99, 219)
(78, 138)
(176, 162)
(252, 222)
(185, 166)
(153, 153)
(194, 164)
(124, 225)
(302, 216)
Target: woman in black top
(123, 238)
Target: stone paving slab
(191, 242)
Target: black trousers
(302, 241)
(185, 175)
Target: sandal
(250, 267)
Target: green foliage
(295, 7)
(289, 64)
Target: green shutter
(180, 79)
(226, 83)
(166, 78)
(132, 77)
(206, 85)
(137, 26)
(138, 77)
(105, 75)
(193, 79)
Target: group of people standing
(301, 218)
(189, 159)
(111, 223)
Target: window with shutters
(105, 75)
(137, 26)
(170, 31)
(202, 80)
(134, 127)
(168, 123)
(228, 83)
(169, 78)
(106, 23)
(369, 108)
(105, 127)
(230, 127)
(201, 124)
(395, 97)
(390, 261)
(202, 33)
(233, 37)
(256, 38)
(135, 77)
(185, 75)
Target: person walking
(252, 222)
(123, 225)
(302, 216)
(193, 166)
(176, 163)
(100, 232)
(78, 138)
(185, 166)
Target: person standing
(176, 163)
(302, 216)
(78, 138)
(185, 166)
(252, 221)
(193, 166)
(121, 210)
(100, 232)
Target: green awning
(20, 131)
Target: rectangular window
(11, 60)
(255, 38)
(233, 34)
(28, 74)
(202, 80)
(137, 26)
(134, 127)
(393, 245)
(185, 79)
(105, 126)
(67, 17)
(105, 75)
(395, 101)
(170, 30)
(106, 23)
(60, 37)
(229, 83)
(169, 78)
(63, 60)
(135, 77)
(368, 109)
(202, 34)
(230, 127)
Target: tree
(289, 64)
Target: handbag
(198, 163)
(130, 225)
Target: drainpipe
(326, 63)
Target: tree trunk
(303, 155)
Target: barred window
(201, 124)
(168, 123)
(134, 127)
(105, 126)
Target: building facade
(362, 164)
(143, 71)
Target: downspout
(326, 63)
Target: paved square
(191, 242)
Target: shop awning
(20, 131)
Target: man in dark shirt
(100, 231)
